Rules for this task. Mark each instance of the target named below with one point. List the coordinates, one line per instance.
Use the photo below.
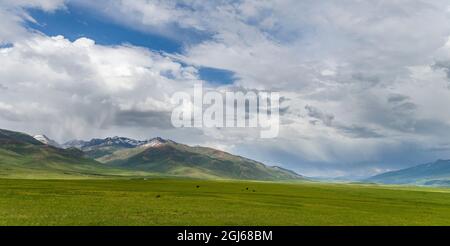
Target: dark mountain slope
(430, 173)
(165, 156)
(22, 156)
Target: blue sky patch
(216, 76)
(76, 22)
(6, 45)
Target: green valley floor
(198, 202)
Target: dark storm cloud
(444, 66)
(396, 98)
(366, 78)
(353, 130)
(432, 127)
(143, 119)
(359, 131)
(405, 107)
(316, 113)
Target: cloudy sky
(365, 85)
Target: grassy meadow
(165, 201)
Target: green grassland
(168, 201)
(45, 164)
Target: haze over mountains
(39, 157)
(433, 173)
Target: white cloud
(46, 5)
(86, 83)
(13, 15)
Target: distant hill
(434, 173)
(9, 138)
(164, 156)
(23, 154)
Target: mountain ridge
(22, 156)
(173, 158)
(47, 141)
(113, 155)
(431, 173)
(167, 156)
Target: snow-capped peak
(116, 141)
(47, 141)
(122, 141)
(155, 142)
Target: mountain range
(434, 173)
(168, 157)
(22, 155)
(40, 157)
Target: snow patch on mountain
(155, 142)
(47, 141)
(116, 141)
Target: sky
(365, 84)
